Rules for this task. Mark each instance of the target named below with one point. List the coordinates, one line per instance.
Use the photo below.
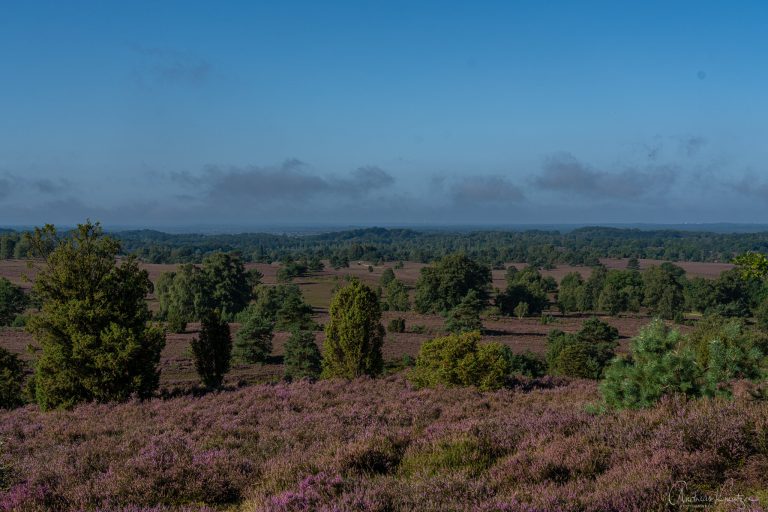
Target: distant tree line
(543, 249)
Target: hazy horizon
(307, 228)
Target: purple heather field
(380, 445)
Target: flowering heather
(381, 445)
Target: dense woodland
(539, 248)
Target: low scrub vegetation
(459, 360)
(382, 445)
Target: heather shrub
(458, 360)
(92, 328)
(353, 334)
(212, 349)
(547, 319)
(383, 445)
(253, 342)
(396, 325)
(574, 359)
(11, 379)
(176, 322)
(302, 357)
(584, 354)
(527, 364)
(20, 321)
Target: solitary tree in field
(212, 350)
(441, 287)
(92, 328)
(353, 334)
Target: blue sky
(254, 113)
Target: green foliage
(595, 331)
(397, 296)
(442, 286)
(92, 328)
(492, 367)
(221, 283)
(622, 291)
(396, 325)
(704, 363)
(253, 342)
(181, 296)
(20, 321)
(726, 349)
(761, 315)
(397, 365)
(11, 379)
(657, 366)
(228, 287)
(547, 319)
(526, 286)
(458, 360)
(571, 295)
(212, 349)
(284, 306)
(293, 312)
(527, 364)
(465, 317)
(386, 277)
(752, 265)
(699, 294)
(302, 357)
(13, 301)
(521, 310)
(466, 454)
(575, 360)
(663, 290)
(633, 264)
(353, 334)
(584, 354)
(733, 295)
(593, 287)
